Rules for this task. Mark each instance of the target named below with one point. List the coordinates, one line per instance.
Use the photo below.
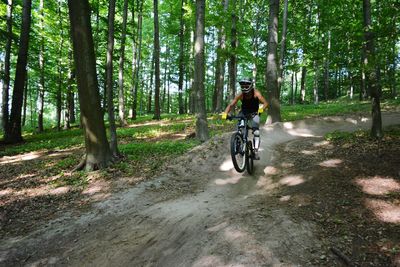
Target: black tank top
(250, 105)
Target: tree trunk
(60, 78)
(121, 94)
(110, 80)
(326, 68)
(181, 57)
(98, 154)
(13, 132)
(138, 53)
(157, 115)
(220, 67)
(166, 75)
(283, 47)
(272, 62)
(232, 60)
(149, 103)
(7, 66)
(25, 100)
(372, 72)
(41, 70)
(199, 73)
(303, 84)
(316, 89)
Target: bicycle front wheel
(249, 158)
(238, 152)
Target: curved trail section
(199, 212)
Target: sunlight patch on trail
(378, 185)
(292, 180)
(227, 165)
(331, 163)
(23, 157)
(384, 210)
(233, 180)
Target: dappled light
(309, 152)
(22, 157)
(384, 210)
(226, 165)
(292, 180)
(378, 185)
(232, 180)
(331, 163)
(271, 170)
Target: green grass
(298, 112)
(137, 135)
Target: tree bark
(220, 66)
(110, 80)
(181, 58)
(138, 56)
(98, 154)
(41, 70)
(283, 47)
(372, 72)
(199, 73)
(157, 115)
(326, 68)
(13, 132)
(121, 93)
(272, 62)
(7, 66)
(232, 59)
(150, 101)
(60, 78)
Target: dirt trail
(200, 212)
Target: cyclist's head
(246, 85)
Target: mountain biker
(250, 98)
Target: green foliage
(297, 112)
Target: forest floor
(313, 201)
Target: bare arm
(261, 98)
(233, 103)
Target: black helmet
(246, 85)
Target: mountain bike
(242, 150)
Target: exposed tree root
(342, 257)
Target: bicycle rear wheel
(238, 152)
(249, 158)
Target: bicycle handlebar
(242, 116)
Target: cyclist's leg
(256, 132)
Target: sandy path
(216, 224)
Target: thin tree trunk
(121, 93)
(272, 62)
(283, 47)
(41, 70)
(7, 67)
(181, 57)
(109, 81)
(372, 72)
(149, 103)
(295, 87)
(220, 66)
(157, 115)
(13, 133)
(199, 73)
(326, 68)
(138, 59)
(98, 154)
(164, 94)
(316, 89)
(60, 78)
(25, 100)
(232, 60)
(291, 89)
